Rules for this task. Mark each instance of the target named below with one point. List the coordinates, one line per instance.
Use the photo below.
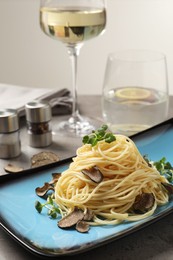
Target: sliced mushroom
(11, 168)
(88, 215)
(144, 202)
(168, 187)
(41, 191)
(82, 226)
(94, 174)
(71, 219)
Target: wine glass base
(73, 127)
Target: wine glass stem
(73, 53)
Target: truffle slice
(82, 226)
(168, 187)
(41, 191)
(94, 174)
(55, 177)
(144, 202)
(11, 168)
(88, 215)
(71, 219)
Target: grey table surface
(152, 242)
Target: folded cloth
(16, 97)
(61, 101)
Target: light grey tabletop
(153, 242)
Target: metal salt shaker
(38, 116)
(10, 145)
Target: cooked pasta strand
(126, 175)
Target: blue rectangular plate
(41, 235)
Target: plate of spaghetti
(113, 186)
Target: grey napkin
(61, 101)
(16, 97)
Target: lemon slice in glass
(133, 93)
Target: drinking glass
(73, 22)
(135, 91)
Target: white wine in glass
(73, 22)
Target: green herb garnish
(165, 168)
(53, 210)
(99, 135)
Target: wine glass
(72, 22)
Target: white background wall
(29, 58)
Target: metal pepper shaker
(10, 145)
(38, 117)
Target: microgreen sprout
(99, 135)
(53, 210)
(163, 166)
(39, 206)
